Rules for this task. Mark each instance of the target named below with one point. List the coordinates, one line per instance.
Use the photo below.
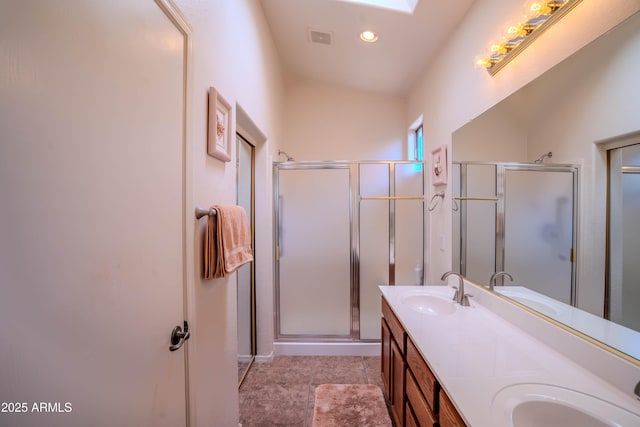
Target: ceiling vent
(321, 37)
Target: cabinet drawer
(423, 374)
(418, 411)
(449, 416)
(394, 325)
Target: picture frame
(219, 126)
(439, 166)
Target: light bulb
(483, 61)
(368, 36)
(499, 48)
(518, 30)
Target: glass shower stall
(520, 218)
(342, 228)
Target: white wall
(329, 122)
(492, 137)
(451, 91)
(232, 50)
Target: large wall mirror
(546, 188)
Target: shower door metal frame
(501, 169)
(310, 165)
(354, 230)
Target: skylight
(405, 6)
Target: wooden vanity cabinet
(393, 338)
(449, 417)
(412, 391)
(385, 360)
(421, 387)
(417, 411)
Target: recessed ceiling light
(368, 36)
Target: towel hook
(433, 205)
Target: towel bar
(205, 212)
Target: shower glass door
(343, 228)
(390, 224)
(519, 218)
(314, 252)
(539, 246)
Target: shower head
(283, 153)
(541, 158)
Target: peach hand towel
(227, 241)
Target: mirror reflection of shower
(284, 153)
(541, 158)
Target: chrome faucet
(460, 297)
(494, 276)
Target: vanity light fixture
(368, 36)
(540, 15)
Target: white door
(91, 214)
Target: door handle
(178, 336)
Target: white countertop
(615, 335)
(474, 354)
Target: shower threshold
(326, 348)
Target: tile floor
(281, 392)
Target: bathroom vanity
(495, 364)
(414, 395)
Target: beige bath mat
(345, 405)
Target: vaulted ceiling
(320, 40)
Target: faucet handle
(456, 293)
(465, 300)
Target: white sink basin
(430, 303)
(544, 405)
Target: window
(417, 144)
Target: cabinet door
(420, 410)
(410, 419)
(385, 362)
(397, 384)
(397, 331)
(449, 416)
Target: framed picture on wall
(439, 166)
(219, 126)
